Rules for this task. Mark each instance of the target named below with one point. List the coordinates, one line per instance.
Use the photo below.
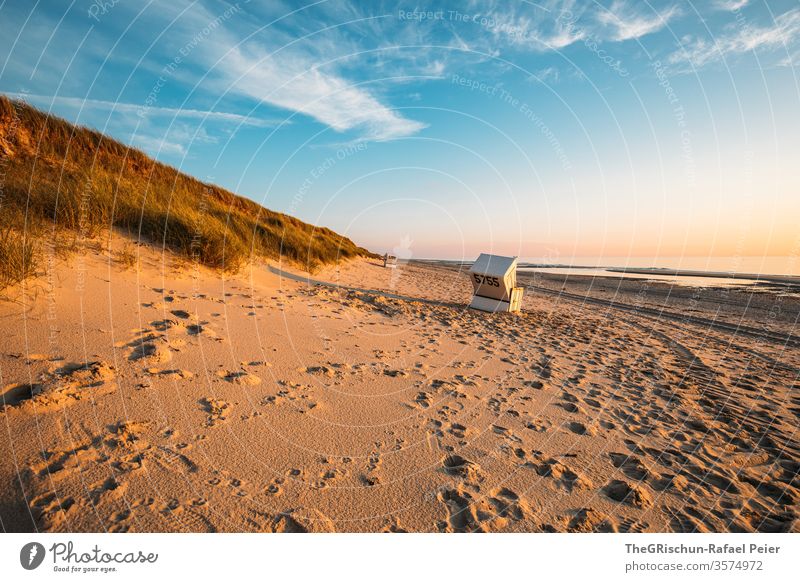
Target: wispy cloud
(141, 111)
(160, 131)
(561, 38)
(175, 141)
(626, 22)
(547, 75)
(553, 26)
(699, 52)
(157, 146)
(790, 60)
(730, 5)
(294, 82)
(297, 65)
(533, 27)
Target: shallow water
(780, 266)
(684, 280)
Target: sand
(166, 397)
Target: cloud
(730, 5)
(625, 24)
(293, 80)
(435, 69)
(535, 28)
(284, 65)
(790, 60)
(547, 75)
(145, 127)
(157, 146)
(699, 52)
(141, 110)
(560, 25)
(177, 140)
(561, 38)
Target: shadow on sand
(309, 281)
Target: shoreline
(786, 279)
(789, 280)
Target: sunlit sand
(166, 398)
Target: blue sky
(448, 128)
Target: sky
(546, 130)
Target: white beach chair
(494, 280)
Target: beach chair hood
(494, 276)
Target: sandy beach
(164, 396)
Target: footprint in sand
(571, 407)
(200, 329)
(90, 374)
(127, 434)
(624, 492)
(537, 425)
(394, 526)
(465, 469)
(588, 520)
(564, 477)
(506, 433)
(239, 377)
(329, 476)
(190, 518)
(319, 371)
(630, 465)
(671, 482)
(119, 521)
(78, 477)
(535, 384)
(170, 458)
(62, 387)
(580, 428)
(458, 430)
(166, 324)
(422, 400)
(629, 525)
(472, 513)
(297, 520)
(275, 488)
(294, 394)
(370, 477)
(52, 511)
(109, 487)
(173, 374)
(301, 520)
(217, 410)
(151, 353)
(15, 394)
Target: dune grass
(18, 259)
(55, 175)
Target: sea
(693, 271)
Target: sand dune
(167, 398)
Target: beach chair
(494, 280)
(389, 261)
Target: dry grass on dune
(17, 257)
(56, 175)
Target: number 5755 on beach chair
(494, 280)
